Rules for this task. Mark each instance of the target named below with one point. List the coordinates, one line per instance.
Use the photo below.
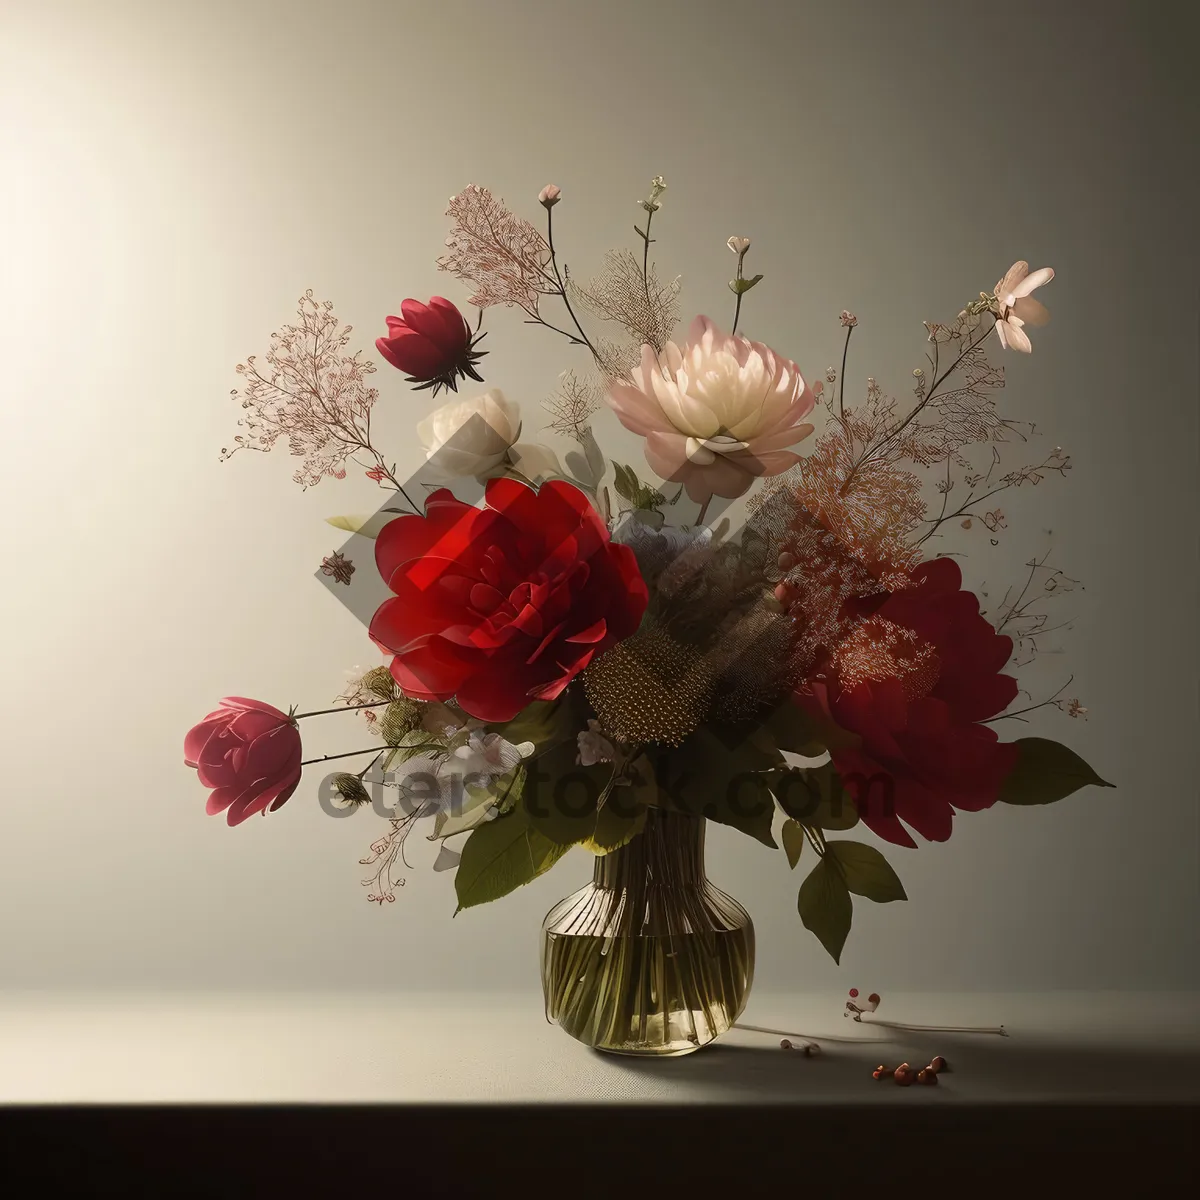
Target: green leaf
(622, 484)
(814, 796)
(629, 487)
(562, 798)
(866, 871)
(709, 777)
(499, 857)
(825, 907)
(595, 456)
(1046, 771)
(368, 527)
(543, 722)
(794, 731)
(793, 841)
(620, 820)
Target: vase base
(651, 1052)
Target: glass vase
(649, 958)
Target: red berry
(938, 1064)
(853, 993)
(904, 1075)
(881, 1072)
(872, 999)
(927, 1076)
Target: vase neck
(668, 852)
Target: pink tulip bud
(550, 195)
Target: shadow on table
(981, 1069)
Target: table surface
(350, 1048)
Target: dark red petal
(593, 633)
(939, 576)
(433, 671)
(275, 753)
(412, 353)
(516, 502)
(197, 737)
(496, 694)
(457, 331)
(449, 338)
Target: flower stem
(842, 376)
(330, 757)
(562, 291)
(895, 433)
(646, 254)
(320, 712)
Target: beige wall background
(176, 175)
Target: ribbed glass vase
(649, 958)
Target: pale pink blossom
(550, 195)
(717, 412)
(1017, 308)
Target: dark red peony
(249, 754)
(911, 684)
(499, 606)
(432, 344)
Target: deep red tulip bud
(432, 344)
(248, 754)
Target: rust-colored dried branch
(982, 488)
(572, 407)
(502, 255)
(1021, 614)
(645, 307)
(310, 392)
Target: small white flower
(1016, 307)
(594, 747)
(470, 437)
(739, 245)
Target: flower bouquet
(762, 625)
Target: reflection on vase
(649, 958)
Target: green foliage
(368, 527)
(1046, 771)
(793, 730)
(825, 906)
(824, 901)
(500, 856)
(709, 777)
(793, 841)
(739, 287)
(620, 820)
(629, 487)
(866, 872)
(814, 796)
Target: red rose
(912, 683)
(432, 344)
(499, 606)
(249, 754)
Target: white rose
(470, 437)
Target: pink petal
(1030, 311)
(1018, 339)
(1041, 276)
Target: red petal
(412, 353)
(448, 337)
